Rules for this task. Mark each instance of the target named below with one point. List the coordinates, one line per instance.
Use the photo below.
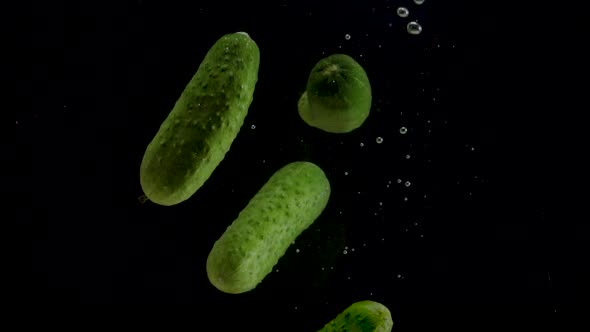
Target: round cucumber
(338, 95)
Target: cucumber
(198, 132)
(338, 95)
(284, 207)
(363, 316)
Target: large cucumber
(205, 120)
(283, 208)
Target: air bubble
(418, 2)
(414, 28)
(407, 184)
(379, 140)
(347, 36)
(403, 130)
(403, 12)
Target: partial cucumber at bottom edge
(363, 316)
(285, 206)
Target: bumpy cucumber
(338, 95)
(205, 120)
(284, 207)
(363, 316)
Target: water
(90, 234)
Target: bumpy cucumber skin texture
(363, 316)
(338, 95)
(205, 120)
(285, 206)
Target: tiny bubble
(399, 276)
(380, 203)
(347, 36)
(414, 28)
(352, 249)
(407, 156)
(348, 278)
(345, 173)
(253, 126)
(407, 184)
(345, 247)
(277, 270)
(345, 252)
(405, 199)
(403, 12)
(297, 250)
(399, 180)
(362, 144)
(379, 140)
(403, 130)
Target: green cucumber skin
(204, 122)
(285, 206)
(338, 95)
(363, 316)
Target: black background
(98, 80)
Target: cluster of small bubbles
(403, 12)
(403, 130)
(414, 28)
(347, 36)
(379, 140)
(407, 184)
